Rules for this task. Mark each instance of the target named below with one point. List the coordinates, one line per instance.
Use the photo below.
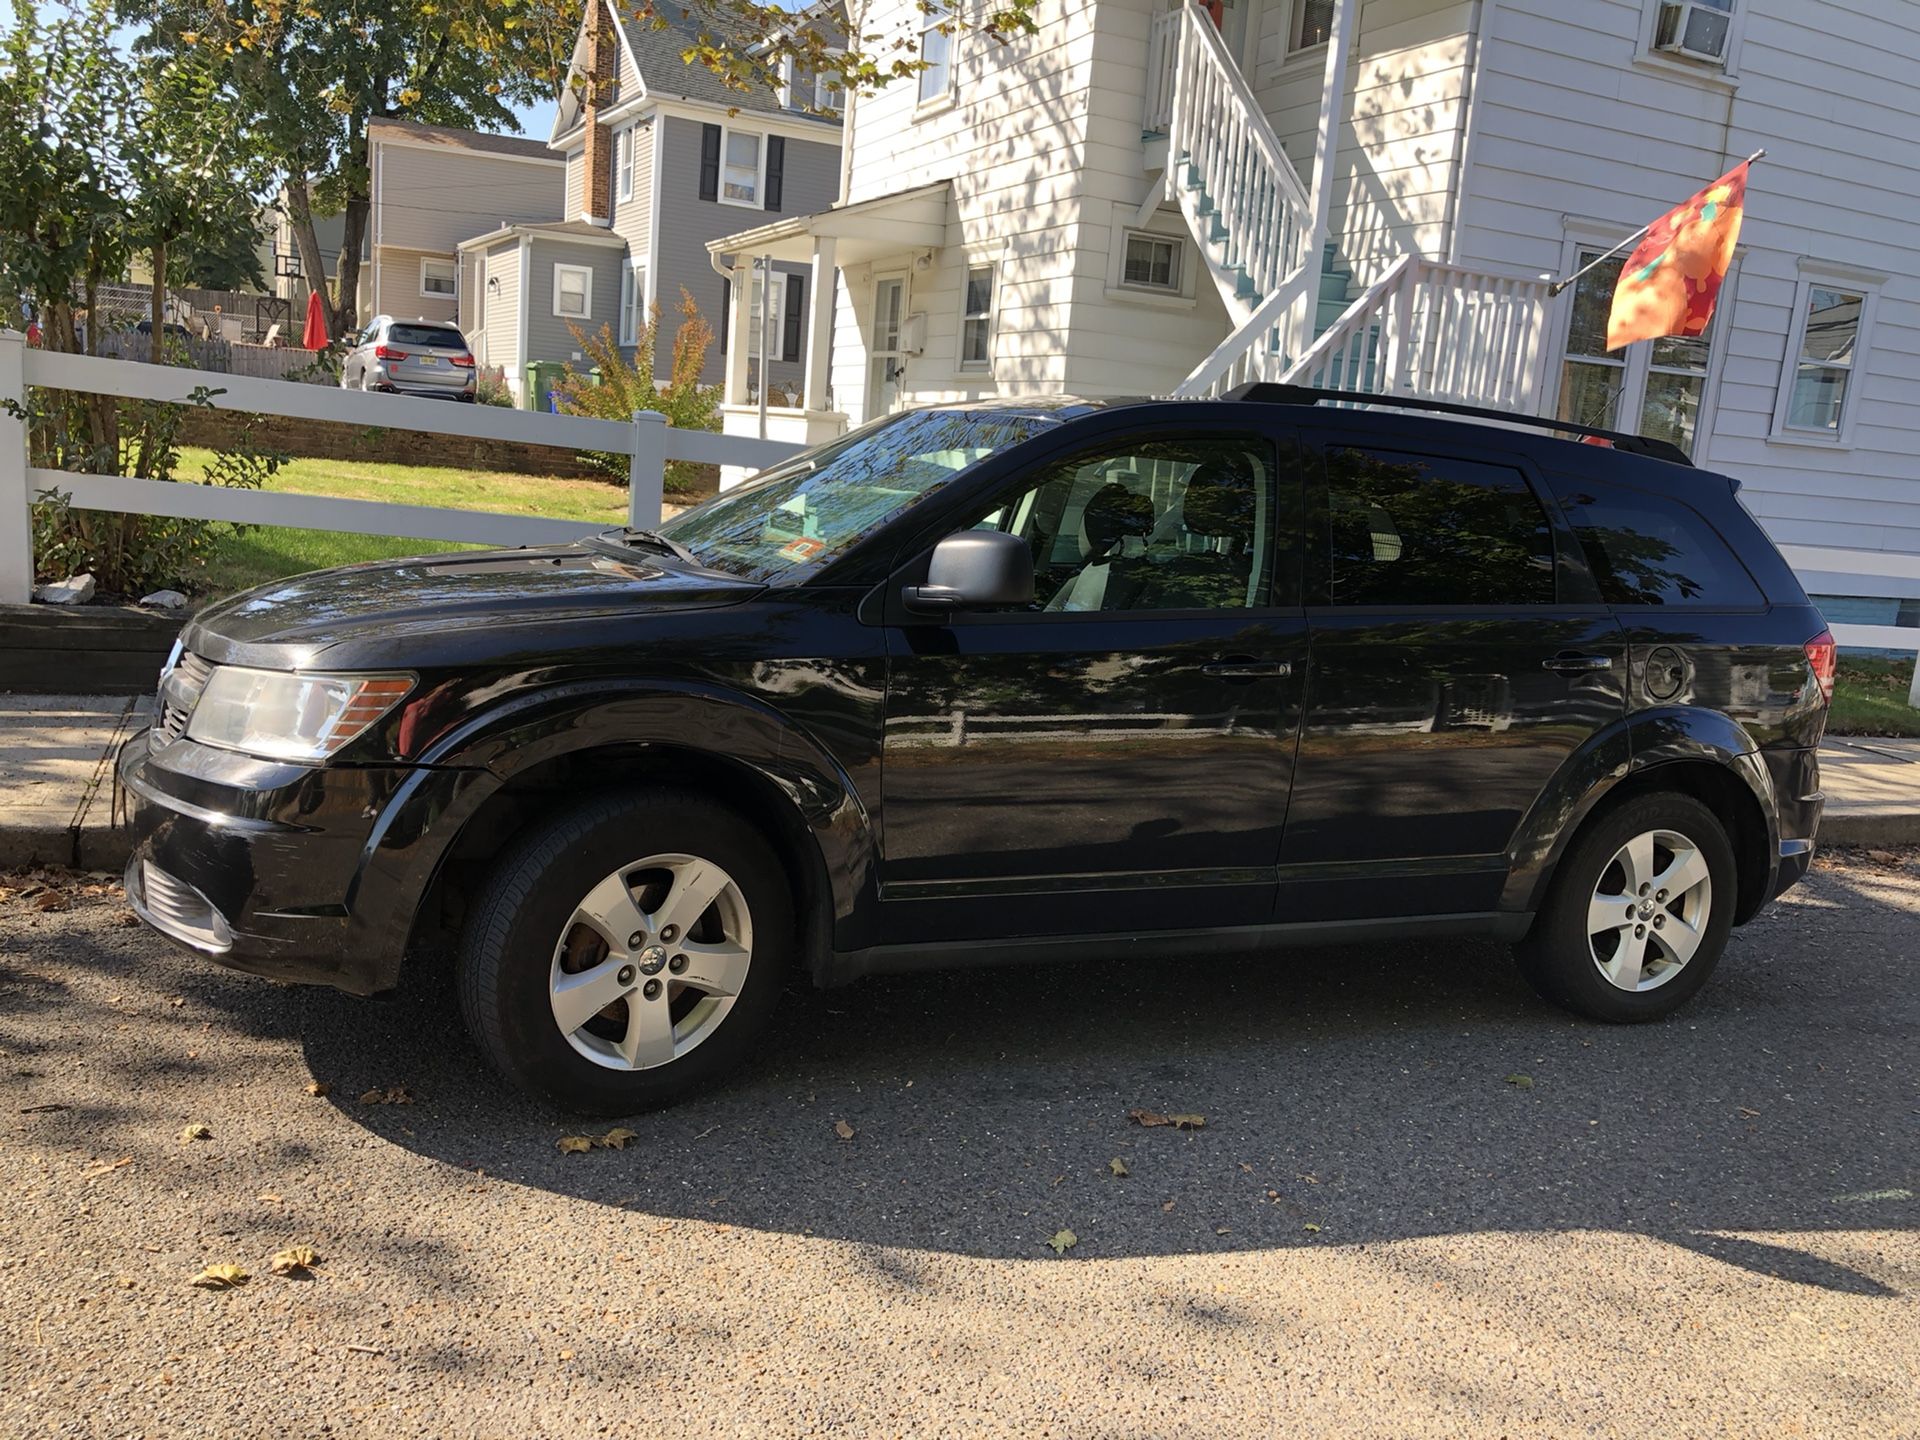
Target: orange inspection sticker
(802, 549)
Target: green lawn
(1870, 698)
(267, 552)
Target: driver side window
(1173, 523)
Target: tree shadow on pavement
(1351, 1096)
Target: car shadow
(1350, 1096)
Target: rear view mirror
(973, 570)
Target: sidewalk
(56, 783)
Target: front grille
(175, 908)
(179, 691)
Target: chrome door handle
(1247, 669)
(1570, 664)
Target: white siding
(500, 342)
(1570, 123)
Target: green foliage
(490, 388)
(628, 385)
(127, 554)
(1870, 698)
(229, 259)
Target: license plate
(429, 359)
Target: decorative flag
(315, 335)
(1671, 281)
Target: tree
(229, 259)
(307, 79)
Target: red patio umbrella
(315, 335)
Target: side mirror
(974, 569)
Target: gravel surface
(1423, 1203)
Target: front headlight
(283, 716)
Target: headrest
(1113, 514)
(1220, 501)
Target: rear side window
(1650, 549)
(1433, 530)
(426, 335)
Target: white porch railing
(1163, 51)
(647, 440)
(1446, 332)
(1233, 182)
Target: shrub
(490, 387)
(626, 386)
(126, 554)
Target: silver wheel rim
(1649, 911)
(650, 962)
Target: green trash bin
(537, 393)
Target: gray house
(660, 158)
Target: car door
(1115, 756)
(1459, 655)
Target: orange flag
(1671, 281)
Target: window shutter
(709, 162)
(726, 306)
(776, 168)
(796, 304)
(626, 304)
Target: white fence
(647, 440)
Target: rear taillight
(465, 362)
(1822, 658)
(387, 352)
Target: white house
(1149, 197)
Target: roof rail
(1269, 393)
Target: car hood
(386, 604)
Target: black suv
(1014, 681)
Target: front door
(1116, 756)
(884, 357)
(1454, 668)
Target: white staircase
(1424, 328)
(1241, 196)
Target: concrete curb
(1873, 828)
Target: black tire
(507, 945)
(1558, 958)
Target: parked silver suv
(410, 357)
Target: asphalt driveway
(1423, 1203)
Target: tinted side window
(1432, 530)
(1653, 550)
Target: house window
(1312, 24)
(976, 323)
(757, 315)
(1152, 262)
(439, 279)
(1657, 388)
(1832, 329)
(802, 89)
(633, 302)
(741, 154)
(572, 291)
(936, 54)
(623, 164)
(1695, 37)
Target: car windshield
(426, 335)
(794, 519)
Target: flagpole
(1559, 285)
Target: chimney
(603, 71)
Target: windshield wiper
(654, 540)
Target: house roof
(862, 232)
(455, 139)
(577, 230)
(657, 55)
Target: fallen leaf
(575, 1144)
(268, 1198)
(106, 1167)
(49, 900)
(1750, 1114)
(392, 1095)
(195, 1131)
(293, 1258)
(1311, 1228)
(1152, 1118)
(318, 1087)
(566, 1354)
(843, 1130)
(1520, 1082)
(1167, 1205)
(1063, 1241)
(220, 1277)
(1221, 1230)
(616, 1138)
(1119, 1167)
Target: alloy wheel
(1649, 911)
(651, 961)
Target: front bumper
(276, 853)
